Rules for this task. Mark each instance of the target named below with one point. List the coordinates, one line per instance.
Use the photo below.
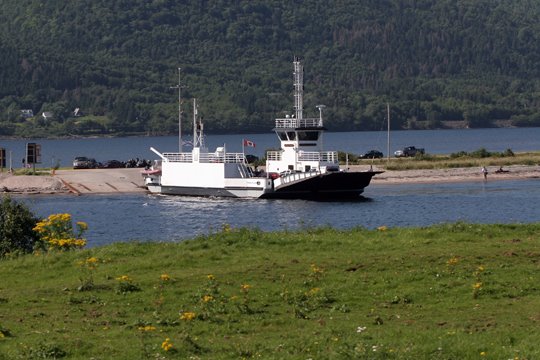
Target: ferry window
(291, 135)
(282, 135)
(308, 135)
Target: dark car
(372, 154)
(83, 162)
(112, 164)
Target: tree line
(434, 61)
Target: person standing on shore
(484, 172)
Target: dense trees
(476, 61)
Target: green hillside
(472, 60)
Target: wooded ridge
(115, 61)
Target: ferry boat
(301, 169)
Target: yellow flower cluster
(167, 344)
(187, 316)
(315, 269)
(57, 231)
(147, 328)
(245, 287)
(164, 277)
(211, 277)
(207, 298)
(67, 243)
(452, 261)
(313, 292)
(124, 278)
(477, 285)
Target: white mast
(298, 88)
(198, 140)
(179, 87)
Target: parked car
(372, 154)
(409, 151)
(110, 164)
(83, 162)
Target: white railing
(178, 157)
(325, 156)
(235, 158)
(295, 176)
(298, 123)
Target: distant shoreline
(110, 181)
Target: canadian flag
(249, 143)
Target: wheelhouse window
(282, 135)
(291, 135)
(308, 135)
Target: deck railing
(235, 158)
(298, 123)
(324, 156)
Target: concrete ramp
(96, 181)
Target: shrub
(16, 224)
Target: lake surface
(357, 142)
(168, 218)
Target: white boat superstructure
(300, 169)
(203, 173)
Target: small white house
(27, 113)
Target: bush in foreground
(16, 228)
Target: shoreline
(107, 181)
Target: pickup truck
(409, 151)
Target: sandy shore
(514, 172)
(105, 181)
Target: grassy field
(447, 161)
(455, 291)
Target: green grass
(446, 161)
(309, 292)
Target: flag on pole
(249, 143)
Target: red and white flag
(249, 143)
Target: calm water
(168, 218)
(434, 141)
(146, 217)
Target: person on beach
(485, 172)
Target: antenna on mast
(179, 87)
(298, 88)
(198, 139)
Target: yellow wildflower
(187, 315)
(167, 344)
(211, 277)
(82, 225)
(123, 278)
(315, 269)
(147, 328)
(483, 353)
(477, 285)
(452, 261)
(92, 260)
(207, 298)
(480, 268)
(245, 287)
(313, 291)
(164, 277)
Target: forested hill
(432, 60)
